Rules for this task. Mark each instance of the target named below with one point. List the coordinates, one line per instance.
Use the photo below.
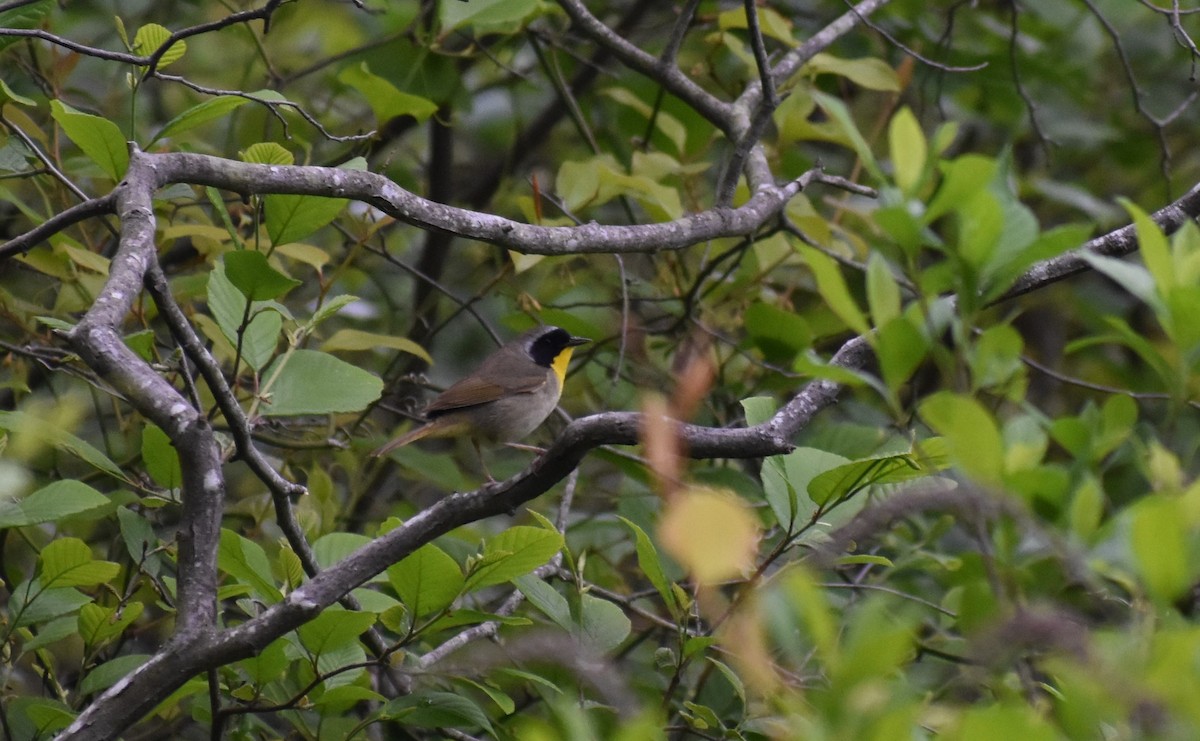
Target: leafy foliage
(993, 534)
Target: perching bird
(512, 392)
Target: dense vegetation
(243, 243)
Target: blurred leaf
(711, 533)
(603, 626)
(908, 149)
(428, 709)
(868, 72)
(385, 100)
(834, 290)
(971, 434)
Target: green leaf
(386, 101)
(962, 179)
(356, 340)
(68, 562)
(98, 624)
(512, 553)
(602, 625)
(36, 605)
(437, 710)
(21, 423)
(547, 599)
(333, 547)
(7, 93)
(850, 478)
(267, 153)
(56, 501)
(832, 287)
(668, 125)
(868, 72)
(200, 114)
(269, 664)
(1133, 278)
(160, 457)
(841, 119)
(900, 347)
(150, 37)
(779, 333)
(908, 149)
(651, 566)
(973, 440)
(1153, 247)
(883, 292)
(334, 629)
(312, 382)
(494, 15)
(228, 307)
(52, 632)
(246, 561)
(426, 581)
(330, 307)
(290, 218)
(99, 138)
(250, 273)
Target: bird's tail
(408, 437)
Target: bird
(507, 397)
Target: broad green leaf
(98, 624)
(333, 547)
(247, 562)
(883, 292)
(54, 502)
(962, 178)
(386, 101)
(868, 72)
(267, 153)
(290, 218)
(99, 138)
(340, 699)
(228, 307)
(900, 348)
(52, 632)
(427, 581)
(160, 457)
(1152, 244)
(547, 599)
(841, 119)
(971, 434)
(333, 629)
(603, 626)
(833, 289)
(908, 149)
(46, 716)
(778, 333)
(430, 709)
(24, 16)
(313, 382)
(512, 553)
(138, 535)
(200, 114)
(7, 93)
(269, 664)
(668, 125)
(68, 562)
(150, 37)
(358, 340)
(850, 478)
(250, 273)
(651, 566)
(33, 605)
(495, 15)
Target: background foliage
(993, 534)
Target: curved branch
(101, 206)
(378, 191)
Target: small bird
(506, 398)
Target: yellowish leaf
(711, 532)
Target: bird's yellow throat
(559, 366)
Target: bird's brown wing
(472, 391)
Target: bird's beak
(576, 341)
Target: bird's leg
(482, 464)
